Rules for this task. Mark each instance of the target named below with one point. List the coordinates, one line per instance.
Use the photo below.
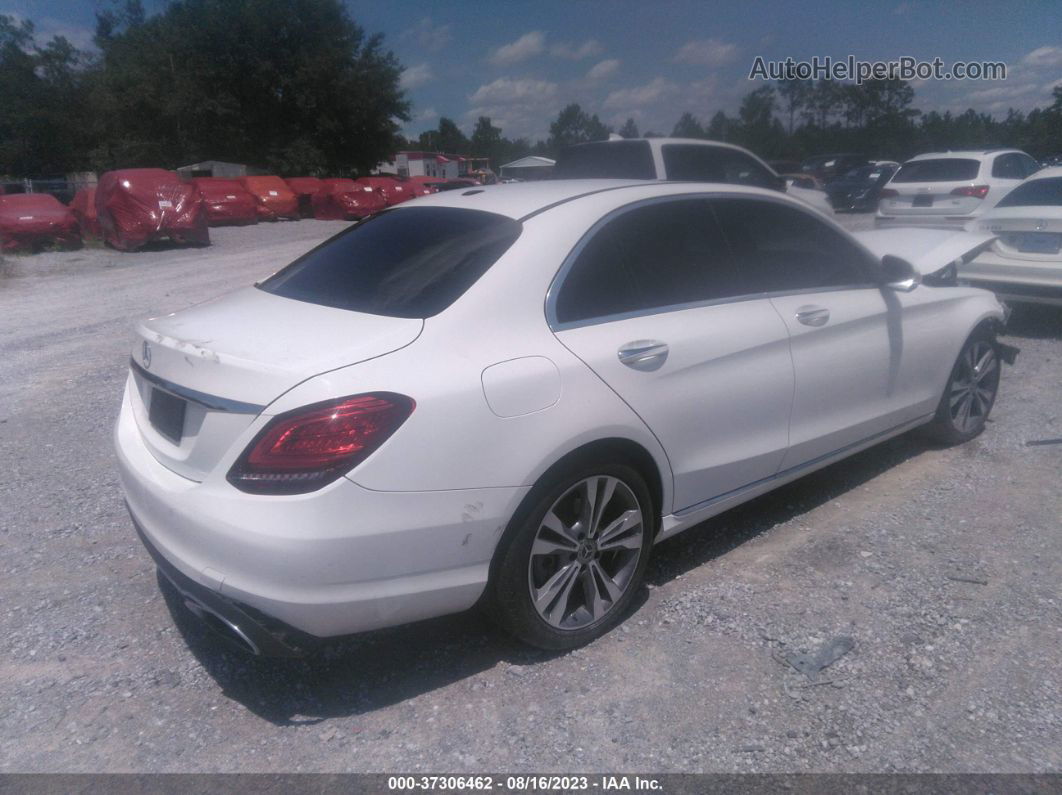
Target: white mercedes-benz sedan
(506, 395)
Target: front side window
(715, 164)
(778, 248)
(412, 262)
(654, 256)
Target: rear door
(652, 303)
(847, 332)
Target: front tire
(971, 392)
(576, 559)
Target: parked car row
(130, 208)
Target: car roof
(963, 153)
(523, 199)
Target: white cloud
(505, 90)
(603, 69)
(639, 96)
(707, 52)
(527, 46)
(1044, 57)
(576, 52)
(416, 76)
(522, 107)
(430, 36)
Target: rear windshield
(1038, 193)
(949, 169)
(611, 160)
(412, 262)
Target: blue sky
(521, 62)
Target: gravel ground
(940, 565)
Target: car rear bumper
(931, 221)
(341, 560)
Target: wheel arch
(610, 449)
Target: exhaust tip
(222, 627)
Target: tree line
(297, 87)
(791, 120)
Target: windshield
(1038, 193)
(411, 263)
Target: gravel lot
(941, 566)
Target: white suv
(678, 159)
(947, 189)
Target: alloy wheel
(973, 386)
(586, 552)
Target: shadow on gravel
(363, 673)
(1035, 321)
(717, 536)
(353, 675)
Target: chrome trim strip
(212, 402)
(809, 465)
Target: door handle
(813, 315)
(645, 355)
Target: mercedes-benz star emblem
(146, 356)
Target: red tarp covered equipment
(393, 190)
(275, 199)
(226, 201)
(304, 188)
(84, 208)
(139, 205)
(346, 200)
(30, 221)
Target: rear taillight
(888, 193)
(976, 191)
(307, 448)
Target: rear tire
(576, 558)
(970, 392)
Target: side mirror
(781, 183)
(899, 274)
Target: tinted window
(607, 160)
(1008, 167)
(1037, 193)
(1029, 165)
(653, 256)
(715, 164)
(780, 248)
(412, 262)
(951, 169)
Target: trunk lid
(1033, 233)
(929, 198)
(202, 375)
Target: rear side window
(950, 169)
(715, 164)
(1037, 193)
(654, 256)
(1008, 167)
(410, 263)
(778, 248)
(606, 160)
